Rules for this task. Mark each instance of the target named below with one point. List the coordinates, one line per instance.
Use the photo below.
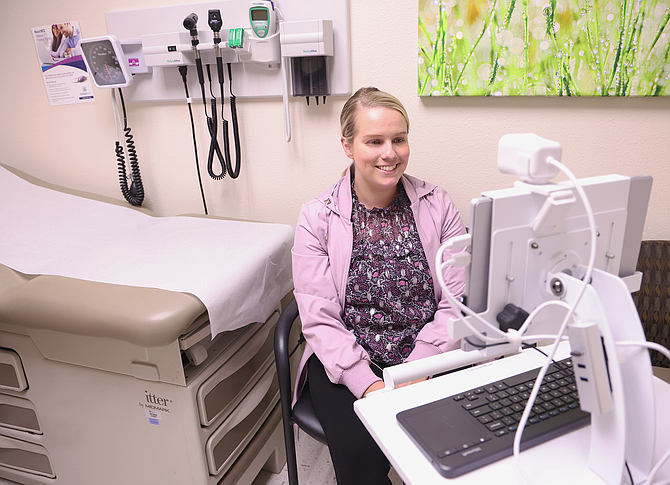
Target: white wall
(453, 141)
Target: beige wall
(453, 141)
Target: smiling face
(65, 29)
(380, 151)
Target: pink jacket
(321, 258)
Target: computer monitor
(532, 244)
(513, 250)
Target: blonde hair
(369, 97)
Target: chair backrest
(653, 299)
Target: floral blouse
(389, 295)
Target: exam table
(133, 349)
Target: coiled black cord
(236, 132)
(135, 194)
(183, 70)
(214, 147)
(233, 111)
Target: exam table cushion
(143, 316)
(100, 268)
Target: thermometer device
(106, 62)
(263, 19)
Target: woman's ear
(347, 148)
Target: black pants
(356, 457)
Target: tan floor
(314, 467)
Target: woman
(58, 42)
(364, 276)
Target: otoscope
(215, 23)
(191, 23)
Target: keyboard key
(479, 441)
(469, 405)
(480, 411)
(496, 425)
(485, 419)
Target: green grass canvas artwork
(544, 48)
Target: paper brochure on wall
(63, 70)
(246, 36)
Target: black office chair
(302, 413)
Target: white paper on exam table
(556, 462)
(239, 270)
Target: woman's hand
(405, 384)
(377, 385)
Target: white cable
(537, 338)
(538, 309)
(587, 279)
(657, 467)
(650, 345)
(455, 304)
(666, 352)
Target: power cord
(214, 147)
(183, 70)
(236, 131)
(135, 193)
(215, 23)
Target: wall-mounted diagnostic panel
(249, 39)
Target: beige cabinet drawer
(226, 387)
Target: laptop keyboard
(471, 429)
